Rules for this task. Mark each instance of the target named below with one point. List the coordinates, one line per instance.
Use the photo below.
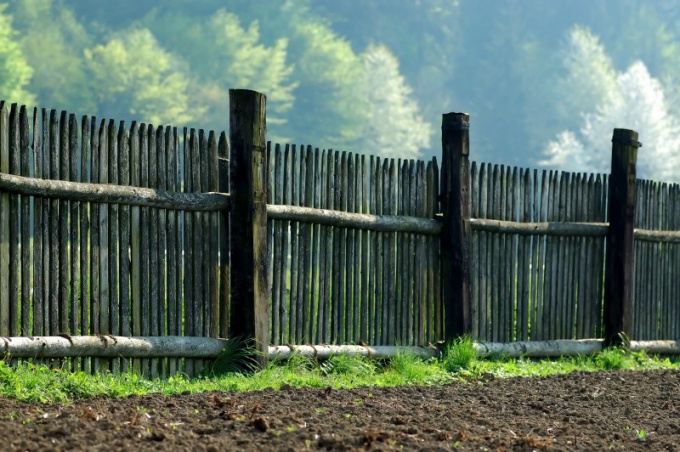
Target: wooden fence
(139, 262)
(146, 231)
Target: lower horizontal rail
(106, 346)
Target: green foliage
(459, 354)
(222, 54)
(53, 41)
(348, 364)
(354, 75)
(15, 72)
(611, 359)
(394, 121)
(238, 356)
(40, 383)
(411, 369)
(134, 76)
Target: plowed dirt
(599, 411)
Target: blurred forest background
(545, 82)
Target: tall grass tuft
(611, 359)
(349, 365)
(239, 356)
(459, 354)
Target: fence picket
(14, 226)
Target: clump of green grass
(349, 365)
(407, 368)
(460, 354)
(611, 359)
(237, 356)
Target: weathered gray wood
(337, 305)
(550, 254)
(4, 225)
(95, 253)
(432, 254)
(341, 247)
(37, 226)
(373, 259)
(14, 226)
(14, 231)
(620, 240)
(114, 194)
(212, 323)
(144, 244)
(495, 249)
(278, 283)
(523, 304)
(483, 332)
(162, 137)
(124, 303)
(547, 228)
(201, 266)
(564, 278)
(365, 235)
(250, 293)
(656, 236)
(541, 215)
(161, 171)
(380, 312)
(351, 272)
(112, 347)
(25, 209)
(271, 246)
(439, 315)
(188, 249)
(321, 352)
(74, 243)
(293, 178)
(333, 311)
(174, 247)
(303, 252)
(102, 308)
(136, 239)
(588, 246)
(45, 214)
(314, 334)
(386, 223)
(580, 257)
(223, 163)
(323, 317)
(152, 231)
(72, 238)
(402, 265)
(284, 306)
(601, 189)
(85, 230)
(201, 243)
(53, 217)
(308, 237)
(64, 267)
(114, 235)
(421, 208)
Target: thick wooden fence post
(249, 317)
(618, 290)
(455, 234)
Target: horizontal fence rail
(384, 223)
(114, 194)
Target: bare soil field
(587, 411)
